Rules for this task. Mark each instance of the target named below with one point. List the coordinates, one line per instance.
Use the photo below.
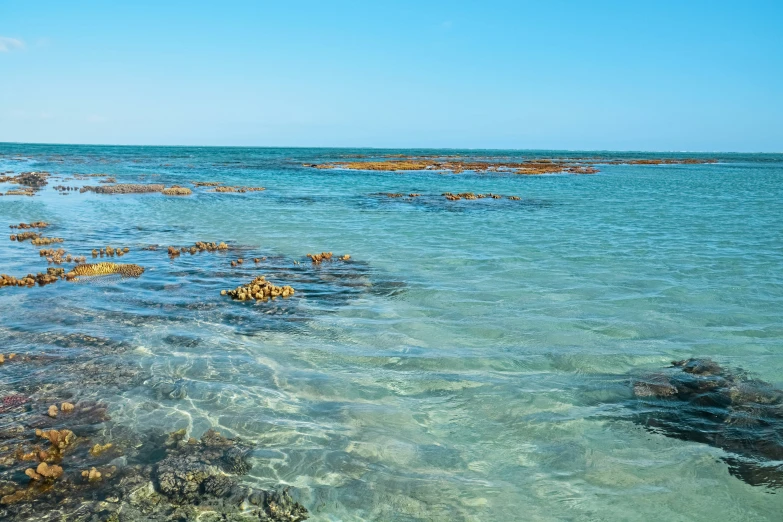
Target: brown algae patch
(110, 252)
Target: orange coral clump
(259, 289)
(318, 258)
(44, 471)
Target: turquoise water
(443, 373)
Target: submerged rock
(698, 400)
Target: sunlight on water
(467, 363)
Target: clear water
(442, 375)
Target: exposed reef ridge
(531, 166)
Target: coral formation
(42, 241)
(259, 289)
(50, 276)
(103, 269)
(317, 259)
(110, 252)
(24, 236)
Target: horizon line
(385, 148)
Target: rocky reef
(73, 473)
(63, 457)
(124, 188)
(472, 196)
(534, 166)
(698, 400)
(33, 180)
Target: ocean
(470, 361)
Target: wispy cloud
(10, 44)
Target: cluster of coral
(258, 289)
(110, 252)
(242, 190)
(199, 246)
(51, 275)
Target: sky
(597, 75)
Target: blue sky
(698, 76)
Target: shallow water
(450, 370)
